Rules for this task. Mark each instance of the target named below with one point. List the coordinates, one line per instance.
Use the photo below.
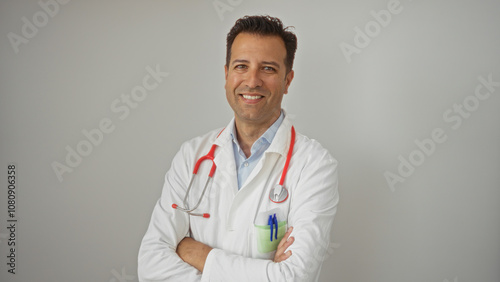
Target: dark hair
(265, 26)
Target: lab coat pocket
(270, 227)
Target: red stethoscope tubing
(210, 156)
(288, 157)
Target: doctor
(253, 230)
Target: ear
(225, 71)
(288, 79)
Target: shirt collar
(279, 144)
(267, 137)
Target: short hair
(264, 26)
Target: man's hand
(193, 252)
(283, 245)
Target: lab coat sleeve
(157, 259)
(312, 210)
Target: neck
(248, 133)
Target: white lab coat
(313, 196)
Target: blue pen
(275, 221)
(270, 222)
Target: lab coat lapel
(226, 177)
(263, 168)
(224, 160)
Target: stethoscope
(278, 193)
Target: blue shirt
(244, 165)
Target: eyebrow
(271, 63)
(264, 62)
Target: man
(246, 234)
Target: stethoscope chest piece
(278, 194)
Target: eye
(269, 69)
(240, 67)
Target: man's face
(256, 78)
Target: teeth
(251, 97)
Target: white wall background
(441, 224)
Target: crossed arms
(195, 253)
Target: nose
(253, 79)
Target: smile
(252, 97)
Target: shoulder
(306, 145)
(312, 153)
(191, 150)
(306, 149)
(199, 143)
